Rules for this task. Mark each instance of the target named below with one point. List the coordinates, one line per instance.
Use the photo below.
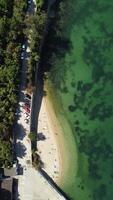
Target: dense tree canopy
(12, 14)
(36, 23)
(15, 27)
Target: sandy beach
(48, 147)
(57, 147)
(51, 148)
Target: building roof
(10, 172)
(4, 172)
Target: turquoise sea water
(83, 79)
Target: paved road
(21, 128)
(35, 187)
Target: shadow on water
(54, 44)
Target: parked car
(27, 99)
(28, 96)
(27, 117)
(27, 105)
(27, 102)
(26, 114)
(26, 109)
(26, 120)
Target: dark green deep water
(83, 77)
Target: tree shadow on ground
(20, 150)
(5, 194)
(15, 189)
(36, 102)
(20, 169)
(41, 137)
(19, 131)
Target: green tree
(32, 136)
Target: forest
(12, 14)
(14, 26)
(36, 23)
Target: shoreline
(48, 149)
(58, 150)
(56, 132)
(56, 127)
(65, 140)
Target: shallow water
(84, 81)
